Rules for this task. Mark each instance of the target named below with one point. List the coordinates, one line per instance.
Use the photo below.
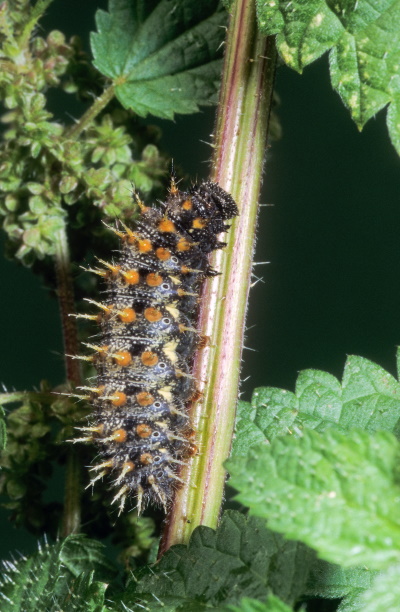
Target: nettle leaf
(272, 604)
(384, 593)
(242, 558)
(84, 594)
(42, 581)
(330, 581)
(247, 432)
(305, 29)
(363, 37)
(163, 57)
(79, 554)
(151, 603)
(351, 603)
(338, 493)
(369, 398)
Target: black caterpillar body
(148, 339)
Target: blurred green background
(330, 230)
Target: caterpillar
(147, 342)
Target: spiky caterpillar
(148, 338)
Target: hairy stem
(36, 13)
(20, 396)
(240, 143)
(65, 292)
(87, 118)
(72, 504)
(71, 520)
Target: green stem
(240, 143)
(71, 520)
(87, 118)
(65, 291)
(21, 396)
(35, 14)
(65, 294)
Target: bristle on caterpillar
(147, 342)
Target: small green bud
(55, 38)
(99, 178)
(112, 210)
(140, 179)
(36, 148)
(39, 45)
(123, 154)
(67, 184)
(31, 237)
(71, 198)
(38, 102)
(109, 157)
(11, 202)
(35, 188)
(53, 224)
(26, 255)
(98, 154)
(37, 205)
(118, 170)
(150, 154)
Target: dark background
(330, 231)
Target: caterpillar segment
(147, 341)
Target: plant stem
(36, 13)
(72, 503)
(65, 294)
(98, 105)
(65, 291)
(20, 396)
(71, 520)
(240, 143)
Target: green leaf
(180, 93)
(351, 603)
(384, 593)
(369, 397)
(41, 581)
(247, 433)
(163, 58)
(79, 553)
(271, 412)
(151, 603)
(338, 493)
(305, 29)
(331, 581)
(179, 604)
(363, 38)
(273, 604)
(241, 558)
(83, 595)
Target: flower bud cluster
(44, 169)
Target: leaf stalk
(73, 132)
